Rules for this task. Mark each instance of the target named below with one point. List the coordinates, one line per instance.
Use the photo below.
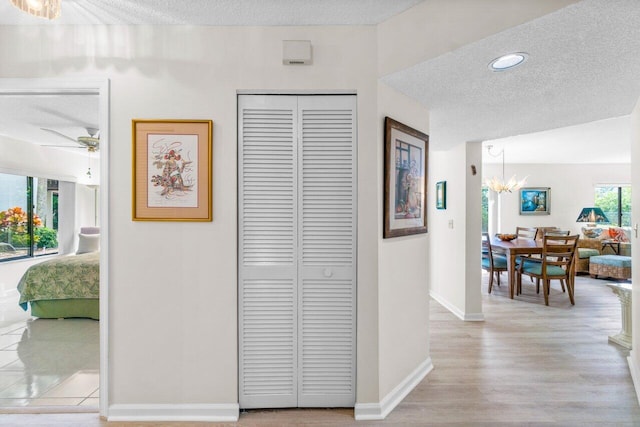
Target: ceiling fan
(91, 142)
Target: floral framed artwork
(535, 201)
(441, 195)
(172, 176)
(405, 179)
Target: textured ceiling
(583, 66)
(583, 69)
(23, 118)
(215, 12)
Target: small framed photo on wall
(535, 201)
(441, 195)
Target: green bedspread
(66, 277)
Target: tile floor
(47, 362)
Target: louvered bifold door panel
(267, 251)
(327, 251)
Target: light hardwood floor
(526, 364)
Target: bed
(67, 286)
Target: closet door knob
(327, 272)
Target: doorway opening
(47, 359)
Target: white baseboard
(379, 411)
(635, 373)
(187, 412)
(467, 317)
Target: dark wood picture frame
(406, 155)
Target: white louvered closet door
(326, 242)
(297, 239)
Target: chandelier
(49, 9)
(499, 185)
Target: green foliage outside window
(46, 237)
(609, 199)
(485, 209)
(14, 230)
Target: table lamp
(592, 216)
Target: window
(28, 216)
(615, 201)
(485, 209)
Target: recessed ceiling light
(506, 62)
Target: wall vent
(296, 52)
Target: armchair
(585, 250)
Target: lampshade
(49, 9)
(595, 215)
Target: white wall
(455, 232)
(634, 356)
(572, 188)
(68, 214)
(402, 269)
(173, 286)
(472, 229)
(447, 279)
(87, 206)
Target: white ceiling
(215, 12)
(23, 118)
(602, 141)
(583, 68)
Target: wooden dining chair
(526, 232)
(556, 263)
(530, 233)
(557, 233)
(542, 231)
(550, 230)
(493, 263)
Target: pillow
(88, 243)
(617, 234)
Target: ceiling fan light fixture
(506, 62)
(48, 9)
(91, 143)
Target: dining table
(512, 249)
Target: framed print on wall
(172, 161)
(535, 201)
(405, 179)
(441, 195)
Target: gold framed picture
(172, 170)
